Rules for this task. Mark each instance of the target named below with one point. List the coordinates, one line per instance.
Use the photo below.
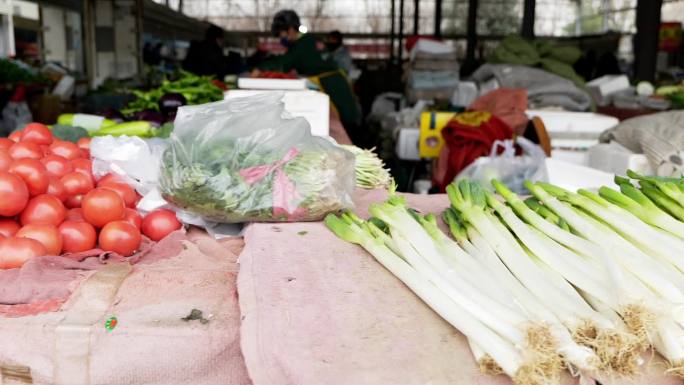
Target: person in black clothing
(206, 57)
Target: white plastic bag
(243, 160)
(137, 160)
(508, 168)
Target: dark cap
(284, 20)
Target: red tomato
(5, 144)
(84, 143)
(15, 136)
(133, 217)
(48, 235)
(77, 183)
(36, 133)
(44, 209)
(120, 237)
(74, 201)
(14, 194)
(125, 191)
(110, 178)
(77, 236)
(101, 206)
(56, 188)
(160, 223)
(85, 167)
(25, 150)
(66, 149)
(14, 252)
(33, 173)
(85, 154)
(5, 161)
(8, 227)
(75, 214)
(57, 165)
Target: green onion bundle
(370, 169)
(578, 280)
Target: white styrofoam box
(313, 106)
(572, 176)
(271, 84)
(562, 122)
(571, 156)
(600, 88)
(407, 144)
(614, 158)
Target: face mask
(332, 46)
(285, 42)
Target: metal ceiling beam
(646, 38)
(416, 17)
(528, 19)
(392, 29)
(471, 36)
(438, 18)
(401, 31)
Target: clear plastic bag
(244, 160)
(508, 168)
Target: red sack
(468, 136)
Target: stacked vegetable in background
(13, 73)
(578, 280)
(187, 89)
(82, 125)
(50, 203)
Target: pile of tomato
(50, 202)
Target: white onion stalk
(649, 271)
(370, 169)
(485, 363)
(664, 246)
(646, 269)
(589, 327)
(418, 249)
(503, 352)
(576, 355)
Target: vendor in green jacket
(306, 56)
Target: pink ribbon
(256, 173)
(285, 196)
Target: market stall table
(312, 309)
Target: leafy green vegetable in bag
(240, 161)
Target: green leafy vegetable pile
(195, 89)
(11, 73)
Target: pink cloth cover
(44, 283)
(151, 343)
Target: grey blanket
(544, 89)
(659, 136)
